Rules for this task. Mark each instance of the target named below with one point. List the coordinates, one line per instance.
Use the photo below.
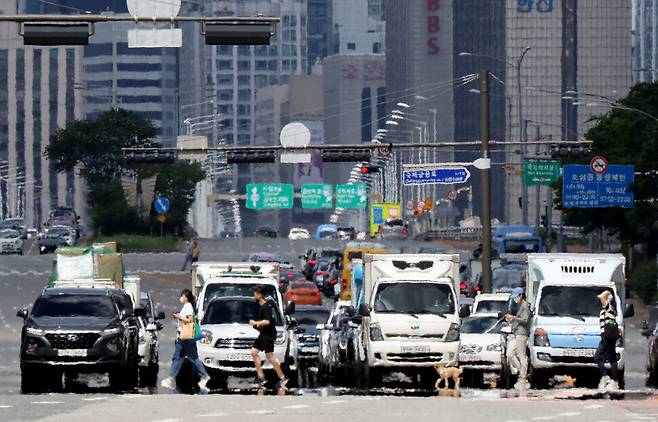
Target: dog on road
(445, 374)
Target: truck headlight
(453, 333)
(376, 333)
(541, 338)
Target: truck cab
(409, 305)
(517, 240)
(562, 289)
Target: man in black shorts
(266, 326)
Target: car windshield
(478, 325)
(355, 255)
(327, 234)
(265, 258)
(218, 290)
(123, 302)
(415, 298)
(491, 306)
(62, 214)
(8, 234)
(65, 306)
(521, 245)
(507, 278)
(580, 301)
(236, 312)
(311, 318)
(329, 254)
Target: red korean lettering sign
(433, 26)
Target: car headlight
(541, 338)
(34, 331)
(494, 348)
(113, 344)
(453, 333)
(280, 339)
(376, 333)
(207, 336)
(111, 331)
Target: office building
(319, 26)
(645, 40)
(37, 97)
(357, 27)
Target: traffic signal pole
(485, 174)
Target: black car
(650, 331)
(75, 331)
(346, 233)
(266, 232)
(286, 277)
(308, 340)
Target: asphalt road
(23, 277)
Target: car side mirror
(629, 310)
(22, 313)
(140, 312)
(300, 330)
(151, 327)
(358, 319)
(290, 308)
(464, 311)
(160, 315)
(364, 310)
(124, 314)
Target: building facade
(37, 97)
(357, 27)
(645, 40)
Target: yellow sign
(382, 212)
(162, 218)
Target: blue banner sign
(436, 175)
(582, 188)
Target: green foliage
(642, 281)
(627, 135)
(94, 146)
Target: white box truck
(562, 290)
(409, 309)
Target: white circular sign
(158, 8)
(295, 134)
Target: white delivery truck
(225, 304)
(409, 305)
(562, 290)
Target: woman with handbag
(607, 346)
(186, 344)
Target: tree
(628, 134)
(94, 147)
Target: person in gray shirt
(517, 356)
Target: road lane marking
(211, 415)
(543, 418)
(167, 420)
(47, 402)
(296, 406)
(259, 412)
(334, 402)
(5, 406)
(94, 398)
(570, 414)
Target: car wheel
(539, 379)
(148, 375)
(30, 381)
(621, 381)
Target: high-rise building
(142, 80)
(37, 97)
(645, 40)
(357, 27)
(318, 30)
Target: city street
(22, 278)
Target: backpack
(611, 331)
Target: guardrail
(475, 233)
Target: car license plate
(579, 353)
(238, 356)
(72, 352)
(414, 349)
(310, 349)
(320, 277)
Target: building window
(94, 50)
(351, 46)
(376, 48)
(244, 95)
(366, 115)
(243, 80)
(225, 94)
(138, 83)
(225, 79)
(225, 64)
(244, 65)
(226, 50)
(138, 67)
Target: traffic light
(568, 151)
(56, 33)
(150, 157)
(368, 169)
(338, 155)
(243, 33)
(544, 221)
(250, 156)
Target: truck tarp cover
(99, 261)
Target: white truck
(409, 308)
(562, 290)
(225, 305)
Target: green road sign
(352, 195)
(269, 196)
(537, 173)
(317, 195)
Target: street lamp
(405, 105)
(392, 123)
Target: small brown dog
(445, 374)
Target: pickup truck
(562, 290)
(409, 310)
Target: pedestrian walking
(185, 345)
(517, 352)
(196, 251)
(266, 326)
(606, 350)
(189, 254)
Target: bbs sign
(433, 26)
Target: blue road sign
(582, 188)
(435, 175)
(161, 205)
